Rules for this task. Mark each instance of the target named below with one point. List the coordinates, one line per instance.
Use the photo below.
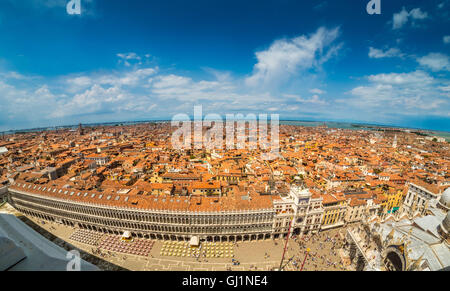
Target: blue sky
(309, 60)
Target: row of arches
(68, 208)
(162, 232)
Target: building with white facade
(417, 200)
(304, 209)
(400, 243)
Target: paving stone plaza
(258, 255)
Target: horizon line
(91, 124)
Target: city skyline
(129, 190)
(327, 60)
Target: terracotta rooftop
(112, 198)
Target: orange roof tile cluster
(140, 157)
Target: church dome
(445, 199)
(446, 223)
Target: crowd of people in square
(320, 251)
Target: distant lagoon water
(329, 124)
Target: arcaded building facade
(37, 201)
(174, 218)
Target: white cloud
(435, 62)
(78, 83)
(315, 99)
(317, 91)
(139, 90)
(378, 53)
(446, 39)
(13, 75)
(24, 104)
(171, 81)
(131, 58)
(401, 18)
(94, 99)
(445, 88)
(187, 90)
(286, 57)
(414, 93)
(417, 77)
(134, 77)
(418, 14)
(127, 78)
